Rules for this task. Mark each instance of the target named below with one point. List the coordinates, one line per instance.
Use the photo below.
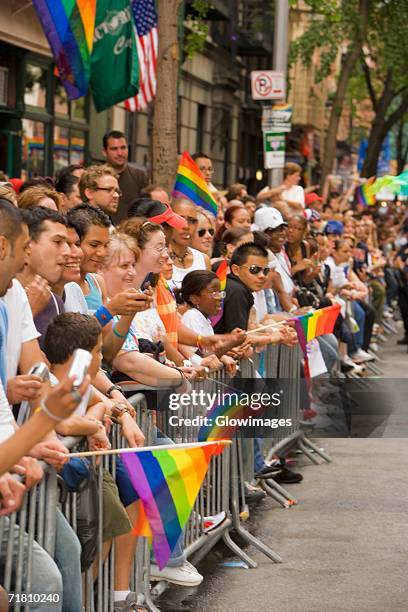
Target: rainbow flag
(231, 409)
(397, 184)
(167, 481)
(69, 27)
(190, 184)
(317, 323)
(221, 272)
(364, 193)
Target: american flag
(145, 20)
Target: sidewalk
(345, 546)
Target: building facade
(40, 131)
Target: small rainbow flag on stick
(191, 184)
(365, 196)
(167, 480)
(314, 324)
(69, 27)
(222, 275)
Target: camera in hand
(79, 367)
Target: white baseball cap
(268, 217)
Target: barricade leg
(251, 539)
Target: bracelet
(183, 379)
(52, 416)
(199, 341)
(103, 315)
(118, 334)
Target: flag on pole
(222, 275)
(69, 28)
(190, 184)
(114, 62)
(167, 481)
(145, 21)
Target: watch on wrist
(112, 389)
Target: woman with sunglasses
(203, 237)
(185, 257)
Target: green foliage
(332, 22)
(195, 39)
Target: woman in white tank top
(199, 263)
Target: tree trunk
(345, 73)
(164, 160)
(402, 151)
(380, 128)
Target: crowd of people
(100, 260)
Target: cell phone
(40, 369)
(79, 367)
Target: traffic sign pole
(280, 60)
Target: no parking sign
(268, 85)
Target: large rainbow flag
(190, 184)
(167, 481)
(221, 272)
(364, 193)
(69, 27)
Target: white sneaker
(361, 356)
(374, 347)
(183, 575)
(357, 369)
(209, 522)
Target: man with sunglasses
(249, 269)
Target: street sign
(268, 85)
(274, 150)
(276, 118)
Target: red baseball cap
(157, 212)
(16, 183)
(312, 197)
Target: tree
(384, 64)
(164, 132)
(334, 25)
(164, 135)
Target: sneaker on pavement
(127, 605)
(286, 476)
(361, 356)
(183, 575)
(212, 522)
(253, 494)
(268, 471)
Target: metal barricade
(223, 490)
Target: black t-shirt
(237, 305)
(131, 182)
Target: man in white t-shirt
(289, 191)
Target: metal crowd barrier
(222, 491)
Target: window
(35, 92)
(201, 126)
(33, 145)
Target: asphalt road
(344, 546)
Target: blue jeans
(178, 556)
(45, 575)
(330, 350)
(259, 461)
(68, 559)
(359, 316)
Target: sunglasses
(257, 269)
(202, 232)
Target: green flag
(114, 63)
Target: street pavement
(344, 546)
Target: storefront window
(35, 93)
(61, 148)
(77, 148)
(61, 106)
(33, 143)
